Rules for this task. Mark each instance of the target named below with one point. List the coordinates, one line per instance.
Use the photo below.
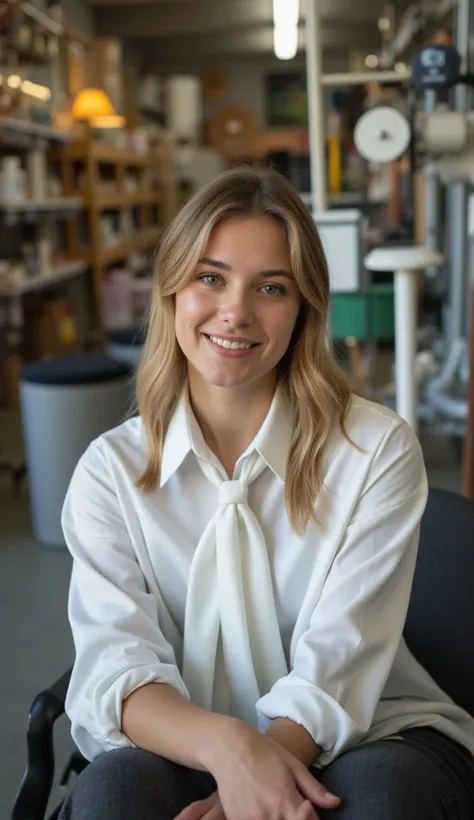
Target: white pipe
(405, 345)
(316, 113)
(363, 77)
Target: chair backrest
(439, 629)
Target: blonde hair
(316, 388)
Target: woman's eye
(273, 290)
(210, 279)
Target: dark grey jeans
(424, 776)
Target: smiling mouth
(228, 345)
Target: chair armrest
(35, 788)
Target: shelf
(31, 208)
(113, 200)
(142, 242)
(13, 128)
(65, 270)
(109, 155)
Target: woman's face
(235, 318)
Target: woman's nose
(236, 308)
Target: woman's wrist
(295, 739)
(222, 734)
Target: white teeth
(230, 345)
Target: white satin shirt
(341, 590)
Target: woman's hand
(259, 780)
(211, 809)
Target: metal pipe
(363, 77)
(316, 113)
(432, 190)
(405, 348)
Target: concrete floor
(35, 643)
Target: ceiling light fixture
(285, 28)
(285, 43)
(40, 92)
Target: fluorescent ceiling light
(286, 13)
(40, 92)
(285, 42)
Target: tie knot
(233, 492)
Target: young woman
(243, 556)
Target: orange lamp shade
(91, 103)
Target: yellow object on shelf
(93, 105)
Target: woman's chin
(224, 377)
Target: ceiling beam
(243, 43)
(333, 61)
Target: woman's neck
(230, 418)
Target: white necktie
(233, 653)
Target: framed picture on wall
(286, 99)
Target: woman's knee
(129, 783)
(387, 780)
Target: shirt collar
(184, 435)
(272, 441)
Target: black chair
(439, 631)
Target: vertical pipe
(405, 348)
(432, 191)
(316, 118)
(457, 203)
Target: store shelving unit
(26, 134)
(59, 273)
(87, 167)
(33, 208)
(19, 137)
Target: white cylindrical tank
(184, 106)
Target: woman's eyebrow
(215, 263)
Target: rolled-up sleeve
(342, 661)
(118, 642)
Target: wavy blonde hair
(315, 386)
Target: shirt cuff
(331, 728)
(95, 709)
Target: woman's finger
(314, 790)
(306, 811)
(216, 813)
(199, 809)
